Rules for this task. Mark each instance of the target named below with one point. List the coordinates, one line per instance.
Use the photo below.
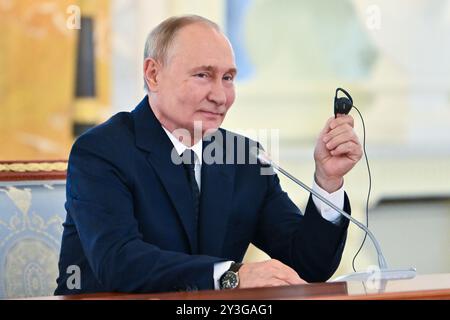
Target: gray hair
(161, 37)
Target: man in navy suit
(139, 221)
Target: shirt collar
(180, 147)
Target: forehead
(200, 44)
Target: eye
(202, 75)
(228, 77)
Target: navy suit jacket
(130, 223)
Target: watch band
(235, 266)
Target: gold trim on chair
(33, 167)
(33, 170)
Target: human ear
(151, 70)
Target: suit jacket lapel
(151, 137)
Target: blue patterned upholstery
(31, 217)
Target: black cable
(370, 188)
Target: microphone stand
(384, 273)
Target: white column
(131, 22)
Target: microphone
(384, 273)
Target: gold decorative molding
(33, 167)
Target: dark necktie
(189, 165)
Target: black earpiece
(342, 105)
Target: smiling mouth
(212, 113)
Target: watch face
(229, 280)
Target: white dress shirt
(196, 148)
(328, 213)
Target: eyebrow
(212, 69)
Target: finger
(277, 283)
(342, 120)
(340, 139)
(336, 131)
(280, 266)
(289, 275)
(274, 263)
(327, 127)
(298, 281)
(290, 279)
(347, 148)
(285, 273)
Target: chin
(210, 124)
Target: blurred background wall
(38, 51)
(392, 56)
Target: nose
(217, 93)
